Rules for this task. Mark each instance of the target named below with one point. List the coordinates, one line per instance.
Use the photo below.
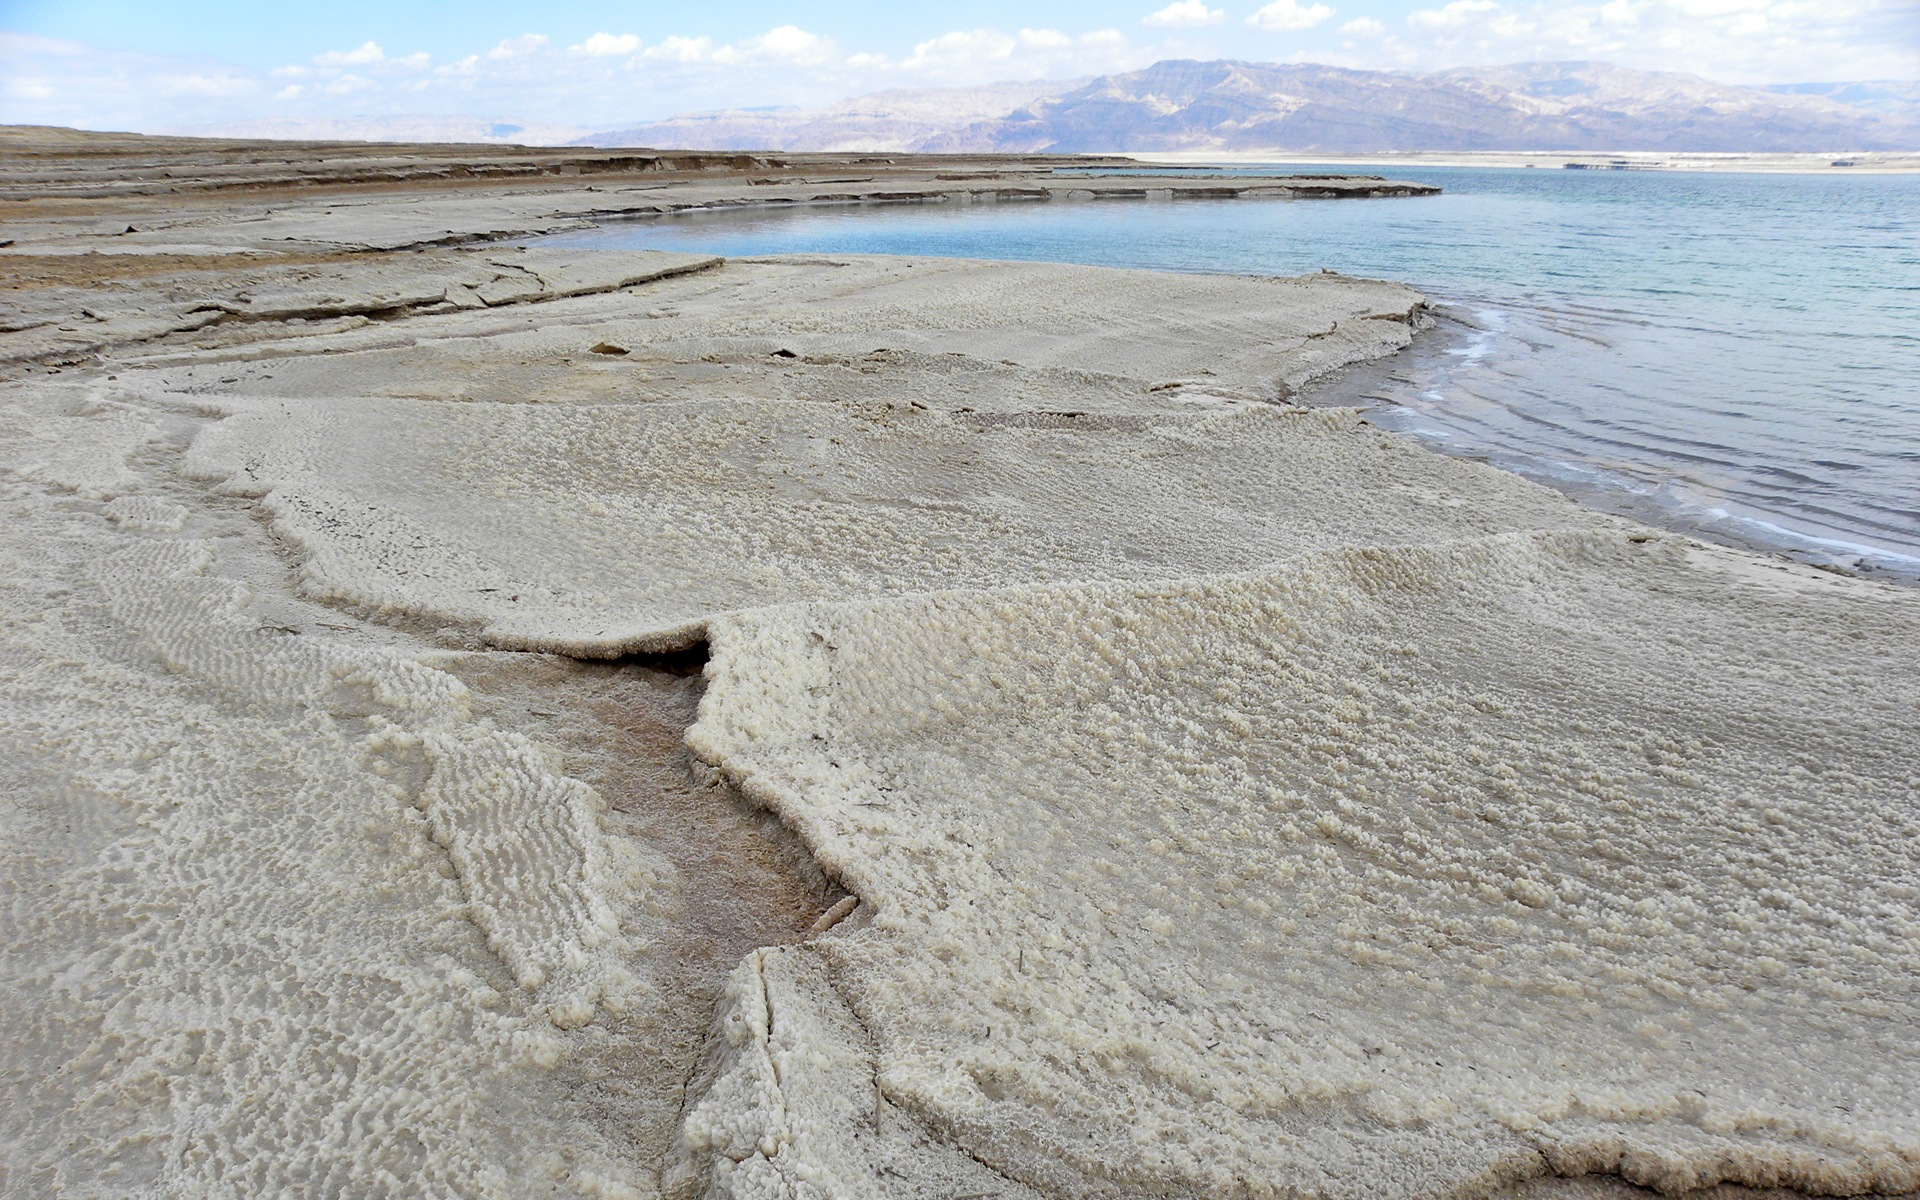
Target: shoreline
(1874, 162)
(1619, 495)
(881, 725)
(1616, 497)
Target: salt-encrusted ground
(1178, 793)
(1398, 871)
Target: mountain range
(1225, 106)
(395, 128)
(901, 119)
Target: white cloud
(50, 81)
(525, 44)
(1452, 16)
(683, 49)
(207, 85)
(962, 48)
(1046, 39)
(786, 43)
(331, 63)
(1732, 41)
(1456, 14)
(978, 56)
(791, 42)
(366, 52)
(608, 45)
(1287, 16)
(1363, 27)
(1619, 12)
(1185, 14)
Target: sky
(153, 65)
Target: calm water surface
(1734, 354)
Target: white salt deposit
(146, 514)
(753, 448)
(598, 528)
(1235, 800)
(247, 949)
(1402, 872)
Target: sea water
(1737, 355)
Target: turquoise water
(1738, 355)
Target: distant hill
(1241, 107)
(1889, 97)
(468, 130)
(892, 120)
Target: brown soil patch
(745, 880)
(27, 272)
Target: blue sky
(154, 64)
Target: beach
(495, 720)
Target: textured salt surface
(271, 896)
(1380, 873)
(1320, 817)
(779, 465)
(292, 912)
(665, 514)
(743, 881)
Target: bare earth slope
(1107, 779)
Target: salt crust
(1407, 871)
(468, 280)
(1255, 336)
(597, 530)
(790, 470)
(1381, 873)
(255, 881)
(1175, 875)
(146, 514)
(788, 1103)
(292, 920)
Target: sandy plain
(495, 722)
